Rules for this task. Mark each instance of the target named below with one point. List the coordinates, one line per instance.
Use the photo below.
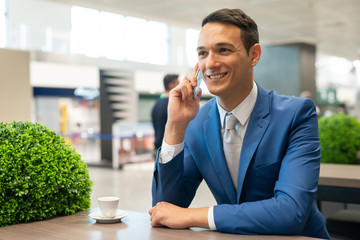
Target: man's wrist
(197, 217)
(175, 132)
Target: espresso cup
(108, 206)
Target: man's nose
(212, 60)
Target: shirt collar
(242, 111)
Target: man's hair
(169, 78)
(249, 30)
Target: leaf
(39, 174)
(339, 139)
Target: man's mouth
(216, 76)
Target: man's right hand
(182, 109)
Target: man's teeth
(217, 76)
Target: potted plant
(339, 139)
(41, 176)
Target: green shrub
(41, 176)
(339, 139)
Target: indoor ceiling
(332, 25)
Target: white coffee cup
(108, 206)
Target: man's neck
(231, 102)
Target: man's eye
(201, 53)
(224, 50)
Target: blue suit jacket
(278, 171)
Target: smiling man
(258, 151)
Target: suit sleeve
(288, 210)
(169, 183)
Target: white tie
(232, 144)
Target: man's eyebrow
(220, 44)
(200, 48)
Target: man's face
(223, 60)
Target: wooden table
(135, 226)
(340, 175)
(339, 183)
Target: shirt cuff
(211, 220)
(168, 152)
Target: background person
(270, 188)
(159, 111)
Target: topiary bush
(41, 176)
(339, 139)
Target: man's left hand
(172, 216)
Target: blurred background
(90, 69)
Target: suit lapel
(212, 132)
(258, 123)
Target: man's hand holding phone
(183, 106)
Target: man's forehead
(218, 34)
(220, 29)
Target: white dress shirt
(242, 112)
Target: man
(159, 111)
(270, 187)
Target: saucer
(100, 219)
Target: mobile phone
(199, 79)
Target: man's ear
(255, 53)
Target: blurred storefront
(73, 113)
